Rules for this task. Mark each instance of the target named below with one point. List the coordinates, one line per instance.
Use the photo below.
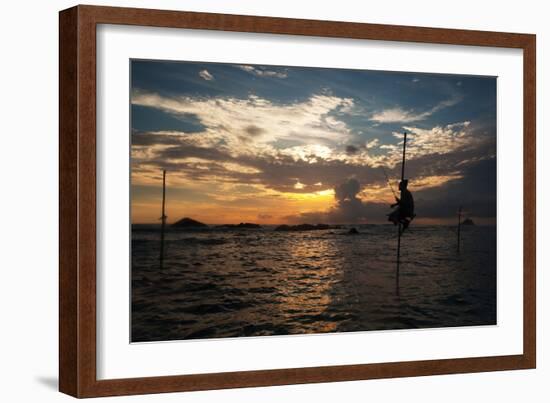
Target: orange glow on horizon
(232, 203)
(265, 209)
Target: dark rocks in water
(187, 222)
(305, 227)
(241, 225)
(353, 231)
(468, 221)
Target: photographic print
(283, 200)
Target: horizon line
(322, 223)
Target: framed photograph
(253, 201)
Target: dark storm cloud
(347, 191)
(349, 208)
(476, 192)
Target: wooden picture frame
(77, 253)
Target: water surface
(221, 282)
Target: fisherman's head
(403, 184)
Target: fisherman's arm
(397, 202)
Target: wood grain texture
(77, 164)
(68, 198)
(529, 202)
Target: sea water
(231, 282)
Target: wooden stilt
(398, 258)
(458, 229)
(399, 227)
(163, 217)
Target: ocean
(232, 282)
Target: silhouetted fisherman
(404, 213)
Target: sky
(280, 144)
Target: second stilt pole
(458, 229)
(163, 217)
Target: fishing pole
(388, 181)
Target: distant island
(187, 222)
(241, 225)
(305, 227)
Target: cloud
(347, 191)
(189, 162)
(435, 198)
(205, 75)
(263, 72)
(399, 115)
(155, 138)
(475, 190)
(279, 145)
(348, 208)
(429, 144)
(351, 149)
(253, 130)
(437, 183)
(300, 150)
(307, 151)
(215, 156)
(440, 139)
(257, 126)
(372, 143)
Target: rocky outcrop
(187, 222)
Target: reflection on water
(234, 282)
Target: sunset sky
(272, 144)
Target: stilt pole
(163, 217)
(458, 229)
(399, 227)
(404, 150)
(398, 258)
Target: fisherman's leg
(393, 217)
